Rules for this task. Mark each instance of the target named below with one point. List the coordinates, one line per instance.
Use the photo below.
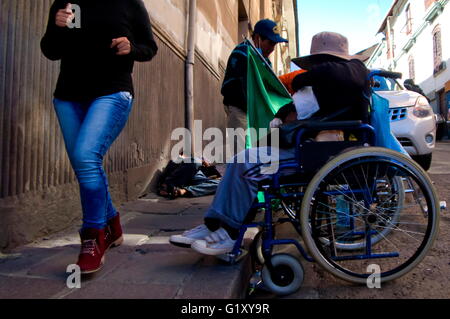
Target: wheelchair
(354, 206)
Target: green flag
(265, 93)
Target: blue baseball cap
(269, 29)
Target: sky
(358, 20)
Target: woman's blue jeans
(89, 129)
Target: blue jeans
(236, 194)
(202, 185)
(89, 129)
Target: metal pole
(190, 61)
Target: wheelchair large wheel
(391, 193)
(395, 238)
(286, 277)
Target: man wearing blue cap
(265, 36)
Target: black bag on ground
(177, 174)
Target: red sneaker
(93, 247)
(114, 234)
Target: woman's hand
(122, 44)
(64, 16)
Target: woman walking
(97, 42)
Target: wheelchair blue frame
(273, 184)
(361, 207)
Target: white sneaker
(216, 243)
(189, 236)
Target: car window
(386, 84)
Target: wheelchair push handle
(386, 74)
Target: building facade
(417, 43)
(38, 189)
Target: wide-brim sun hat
(326, 46)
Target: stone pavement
(145, 266)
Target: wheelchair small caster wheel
(286, 277)
(256, 250)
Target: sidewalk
(145, 266)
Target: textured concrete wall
(39, 192)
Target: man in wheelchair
(341, 86)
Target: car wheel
(423, 160)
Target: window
(243, 27)
(408, 20)
(437, 49)
(412, 73)
(390, 44)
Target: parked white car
(412, 119)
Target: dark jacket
(234, 86)
(89, 66)
(336, 85)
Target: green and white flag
(265, 94)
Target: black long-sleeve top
(336, 85)
(89, 66)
